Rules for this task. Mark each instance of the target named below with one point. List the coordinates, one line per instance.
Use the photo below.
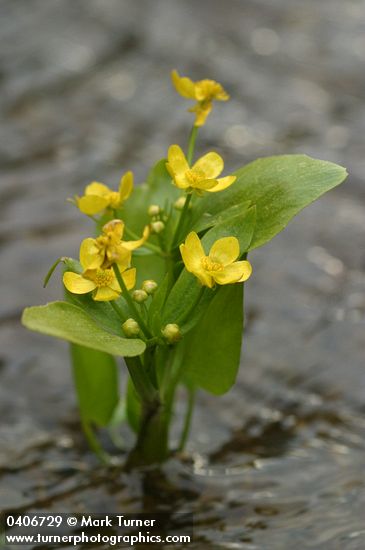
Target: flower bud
(172, 333)
(131, 328)
(154, 210)
(149, 286)
(139, 296)
(180, 203)
(157, 227)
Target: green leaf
(101, 312)
(280, 187)
(208, 220)
(212, 349)
(69, 322)
(241, 226)
(96, 380)
(133, 406)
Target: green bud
(139, 296)
(131, 328)
(172, 333)
(149, 286)
(157, 227)
(154, 210)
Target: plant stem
(141, 381)
(151, 445)
(191, 145)
(188, 418)
(130, 302)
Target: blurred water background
(86, 95)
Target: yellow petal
(90, 255)
(132, 245)
(233, 273)
(96, 188)
(105, 294)
(201, 110)
(118, 254)
(223, 183)
(246, 270)
(129, 277)
(92, 204)
(204, 184)
(210, 89)
(76, 284)
(192, 253)
(177, 160)
(210, 164)
(183, 85)
(225, 250)
(126, 186)
(114, 228)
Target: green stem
(141, 381)
(188, 418)
(130, 302)
(191, 145)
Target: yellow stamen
(194, 176)
(103, 277)
(209, 265)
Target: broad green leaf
(279, 186)
(69, 322)
(241, 226)
(96, 380)
(212, 349)
(187, 289)
(101, 312)
(208, 220)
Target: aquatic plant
(161, 283)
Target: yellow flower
(202, 176)
(101, 282)
(109, 248)
(98, 196)
(220, 266)
(203, 91)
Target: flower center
(103, 277)
(209, 265)
(194, 176)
